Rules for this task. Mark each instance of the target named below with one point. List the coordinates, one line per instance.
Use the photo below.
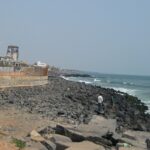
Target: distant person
(100, 104)
(147, 141)
(113, 103)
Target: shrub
(20, 144)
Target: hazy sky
(107, 36)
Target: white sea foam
(128, 83)
(69, 78)
(84, 81)
(125, 90)
(66, 78)
(97, 80)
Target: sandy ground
(17, 124)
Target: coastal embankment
(75, 104)
(78, 102)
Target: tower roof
(12, 46)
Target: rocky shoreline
(76, 104)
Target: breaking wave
(97, 80)
(126, 90)
(86, 82)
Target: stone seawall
(21, 81)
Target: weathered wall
(24, 71)
(16, 81)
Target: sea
(138, 86)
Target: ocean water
(138, 86)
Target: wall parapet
(22, 81)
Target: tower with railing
(13, 52)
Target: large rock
(49, 145)
(100, 131)
(43, 145)
(62, 145)
(81, 134)
(99, 126)
(136, 138)
(131, 148)
(59, 138)
(36, 146)
(85, 145)
(73, 135)
(35, 136)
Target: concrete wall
(6, 69)
(16, 81)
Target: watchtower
(13, 52)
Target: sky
(106, 36)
